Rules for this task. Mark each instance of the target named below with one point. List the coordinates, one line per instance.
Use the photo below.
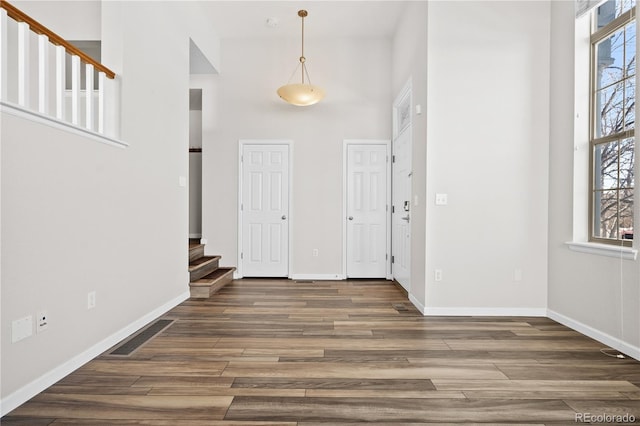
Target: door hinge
(386, 257)
(241, 207)
(393, 259)
(241, 255)
(393, 209)
(393, 158)
(242, 158)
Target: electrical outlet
(437, 274)
(91, 300)
(42, 321)
(442, 199)
(315, 253)
(517, 275)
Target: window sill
(618, 252)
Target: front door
(366, 209)
(401, 210)
(265, 210)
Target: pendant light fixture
(301, 94)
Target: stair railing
(94, 114)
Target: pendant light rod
(302, 14)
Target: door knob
(284, 217)
(350, 218)
(405, 218)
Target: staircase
(205, 275)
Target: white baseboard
(486, 312)
(417, 304)
(194, 236)
(318, 277)
(604, 338)
(30, 390)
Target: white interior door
(401, 210)
(367, 214)
(265, 210)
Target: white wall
(355, 74)
(80, 216)
(598, 295)
(409, 61)
(487, 148)
(71, 19)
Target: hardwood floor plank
(534, 385)
(99, 390)
(383, 393)
(212, 391)
(119, 366)
(115, 407)
(331, 384)
(183, 381)
(419, 324)
(397, 410)
(298, 353)
(159, 422)
(368, 370)
(329, 343)
(378, 423)
(617, 407)
(26, 421)
(530, 395)
(80, 379)
(571, 372)
(523, 345)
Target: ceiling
(248, 19)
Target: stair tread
(209, 279)
(201, 261)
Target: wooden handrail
(54, 38)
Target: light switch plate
(21, 329)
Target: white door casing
(367, 217)
(401, 188)
(264, 210)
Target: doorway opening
(195, 163)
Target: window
(612, 140)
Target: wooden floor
(287, 353)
